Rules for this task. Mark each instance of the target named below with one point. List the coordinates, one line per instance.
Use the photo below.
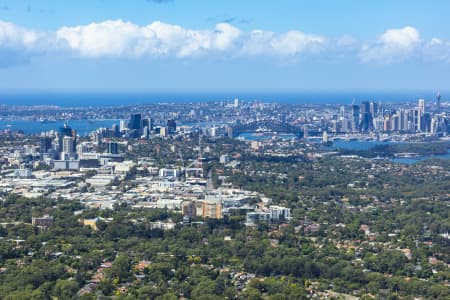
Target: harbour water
(352, 145)
(83, 127)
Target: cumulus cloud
(393, 45)
(405, 37)
(437, 50)
(13, 36)
(291, 43)
(121, 39)
(17, 44)
(125, 39)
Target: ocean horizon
(82, 98)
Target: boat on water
(45, 120)
(406, 155)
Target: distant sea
(132, 97)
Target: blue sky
(52, 44)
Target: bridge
(271, 126)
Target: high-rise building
(115, 130)
(123, 125)
(67, 144)
(342, 112)
(355, 117)
(45, 144)
(66, 131)
(374, 109)
(62, 132)
(113, 147)
(365, 107)
(171, 126)
(417, 116)
(422, 106)
(135, 125)
(438, 100)
(366, 117)
(135, 121)
(145, 122)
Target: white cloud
(436, 50)
(13, 36)
(291, 43)
(18, 44)
(125, 39)
(405, 37)
(392, 46)
(121, 39)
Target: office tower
(163, 131)
(365, 107)
(305, 131)
(438, 100)
(395, 124)
(422, 106)
(426, 123)
(433, 126)
(417, 116)
(236, 102)
(146, 127)
(113, 147)
(67, 144)
(135, 122)
(146, 122)
(115, 130)
(325, 137)
(68, 149)
(355, 117)
(135, 125)
(67, 131)
(45, 144)
(403, 120)
(75, 140)
(82, 148)
(366, 117)
(342, 112)
(171, 126)
(344, 125)
(387, 123)
(151, 124)
(374, 109)
(123, 125)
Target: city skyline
(199, 44)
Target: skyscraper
(135, 122)
(135, 125)
(366, 117)
(422, 106)
(374, 109)
(123, 125)
(67, 146)
(113, 148)
(67, 131)
(171, 126)
(355, 117)
(438, 100)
